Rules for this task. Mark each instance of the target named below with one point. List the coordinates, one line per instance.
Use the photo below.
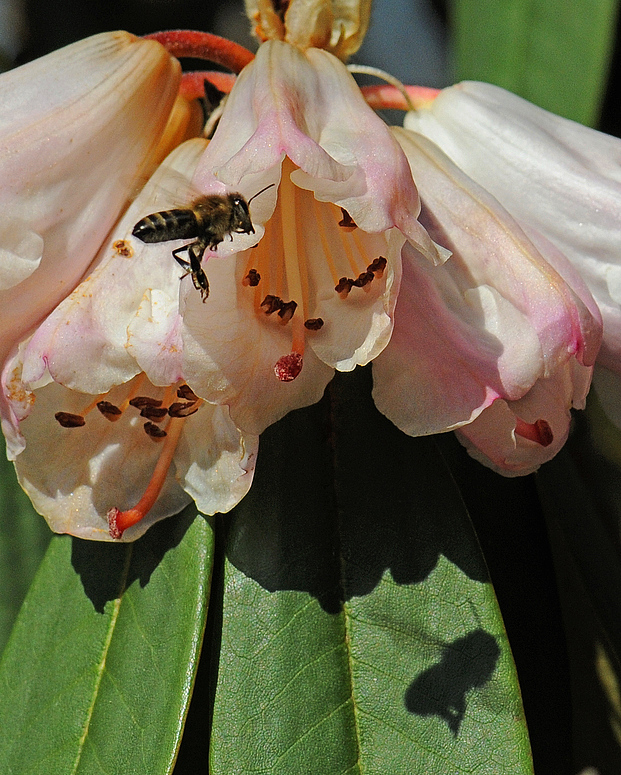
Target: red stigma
(288, 367)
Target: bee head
(240, 215)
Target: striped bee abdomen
(167, 225)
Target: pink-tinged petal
(84, 342)
(456, 346)
(305, 105)
(553, 175)
(230, 353)
(82, 122)
(514, 438)
(490, 249)
(154, 337)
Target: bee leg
(182, 261)
(199, 278)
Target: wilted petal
(336, 25)
(553, 175)
(82, 122)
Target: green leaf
(97, 675)
(553, 53)
(360, 633)
(24, 536)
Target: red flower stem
(192, 83)
(203, 45)
(387, 97)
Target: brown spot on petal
(252, 279)
(153, 431)
(313, 324)
(141, 401)
(123, 248)
(179, 409)
(288, 367)
(348, 222)
(109, 411)
(68, 420)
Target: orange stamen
(119, 521)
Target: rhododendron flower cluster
(368, 244)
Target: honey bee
(208, 219)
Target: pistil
(119, 521)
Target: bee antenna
(260, 192)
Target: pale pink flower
(559, 179)
(102, 418)
(499, 341)
(78, 128)
(329, 237)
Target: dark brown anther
(252, 279)
(186, 392)
(68, 420)
(313, 324)
(141, 401)
(153, 431)
(271, 304)
(285, 313)
(183, 410)
(123, 248)
(363, 279)
(343, 287)
(109, 411)
(348, 222)
(377, 266)
(155, 413)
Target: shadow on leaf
(467, 663)
(340, 496)
(106, 570)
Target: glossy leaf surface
(98, 672)
(360, 632)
